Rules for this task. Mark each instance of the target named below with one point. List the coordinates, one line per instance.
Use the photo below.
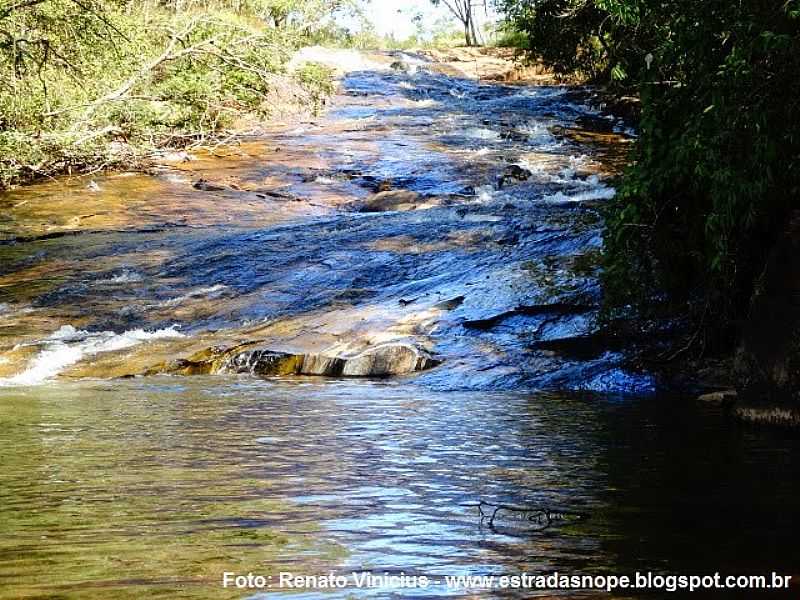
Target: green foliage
(566, 34)
(508, 36)
(144, 74)
(318, 79)
(716, 168)
(31, 157)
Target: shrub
(716, 166)
(144, 73)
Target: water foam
(481, 133)
(538, 133)
(68, 346)
(600, 192)
(485, 193)
(125, 276)
(425, 103)
(211, 291)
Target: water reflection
(132, 489)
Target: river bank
(109, 87)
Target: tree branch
(168, 55)
(18, 6)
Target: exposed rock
(595, 124)
(265, 363)
(179, 366)
(385, 360)
(513, 173)
(508, 240)
(340, 60)
(450, 304)
(392, 200)
(723, 398)
(321, 365)
(489, 64)
(580, 347)
(276, 194)
(537, 309)
(205, 362)
(768, 361)
(388, 360)
(207, 186)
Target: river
(182, 357)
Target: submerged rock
(207, 186)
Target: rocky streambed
(323, 350)
(428, 224)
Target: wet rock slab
(387, 360)
(308, 252)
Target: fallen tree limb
(541, 517)
(169, 54)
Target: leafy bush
(508, 36)
(318, 79)
(716, 168)
(144, 73)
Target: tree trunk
(476, 40)
(462, 10)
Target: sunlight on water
(449, 220)
(154, 488)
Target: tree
(717, 165)
(464, 11)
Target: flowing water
(454, 218)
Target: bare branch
(168, 55)
(538, 516)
